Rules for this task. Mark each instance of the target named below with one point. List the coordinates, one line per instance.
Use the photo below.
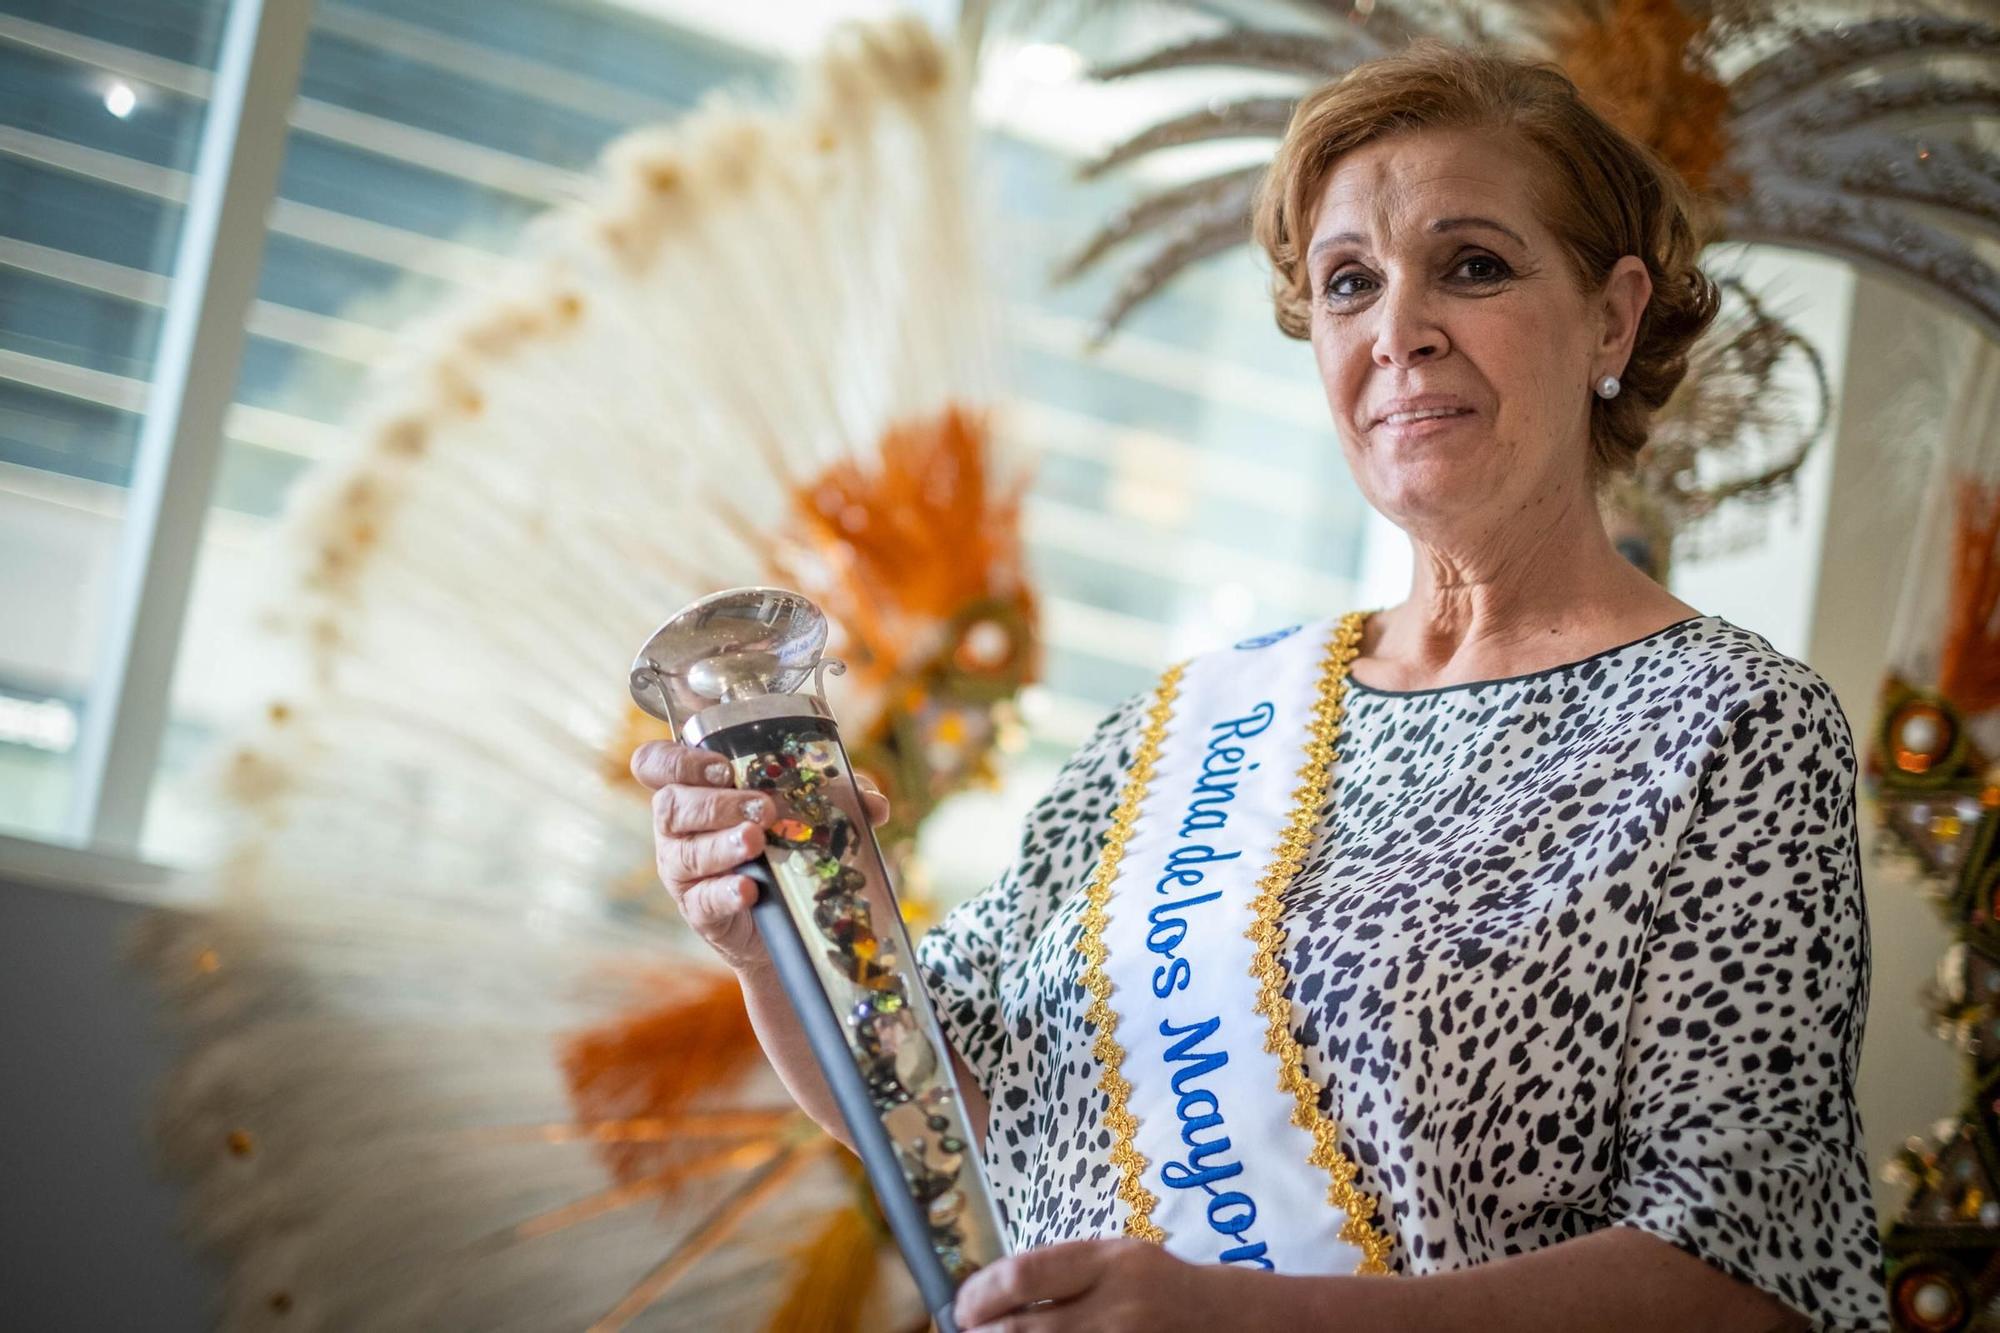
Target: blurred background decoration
(452, 1060)
(538, 343)
(1934, 770)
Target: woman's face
(1437, 289)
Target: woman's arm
(1617, 1279)
(790, 1053)
(786, 1046)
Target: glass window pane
(101, 108)
(424, 137)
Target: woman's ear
(1626, 292)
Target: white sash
(1229, 1167)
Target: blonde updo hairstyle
(1603, 194)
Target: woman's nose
(1407, 334)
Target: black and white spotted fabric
(1576, 949)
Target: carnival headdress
(451, 1061)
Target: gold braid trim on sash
(1329, 708)
(1117, 1090)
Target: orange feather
(1642, 67)
(651, 1062)
(914, 535)
(831, 1278)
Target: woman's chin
(1432, 491)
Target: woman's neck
(1534, 596)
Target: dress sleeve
(965, 956)
(1739, 1140)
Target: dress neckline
(1360, 687)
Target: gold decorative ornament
(1274, 986)
(1102, 1017)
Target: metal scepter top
(734, 656)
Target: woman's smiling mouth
(1415, 423)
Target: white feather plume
(420, 891)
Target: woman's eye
(1486, 268)
(1339, 286)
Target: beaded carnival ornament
(1933, 769)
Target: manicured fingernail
(754, 808)
(718, 772)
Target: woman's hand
(1110, 1286)
(704, 828)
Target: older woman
(1509, 939)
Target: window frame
(213, 284)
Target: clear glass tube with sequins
(729, 673)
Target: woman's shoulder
(1115, 735)
(1096, 768)
(1089, 778)
(1749, 714)
(1743, 674)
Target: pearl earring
(1608, 387)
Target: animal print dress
(1575, 949)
